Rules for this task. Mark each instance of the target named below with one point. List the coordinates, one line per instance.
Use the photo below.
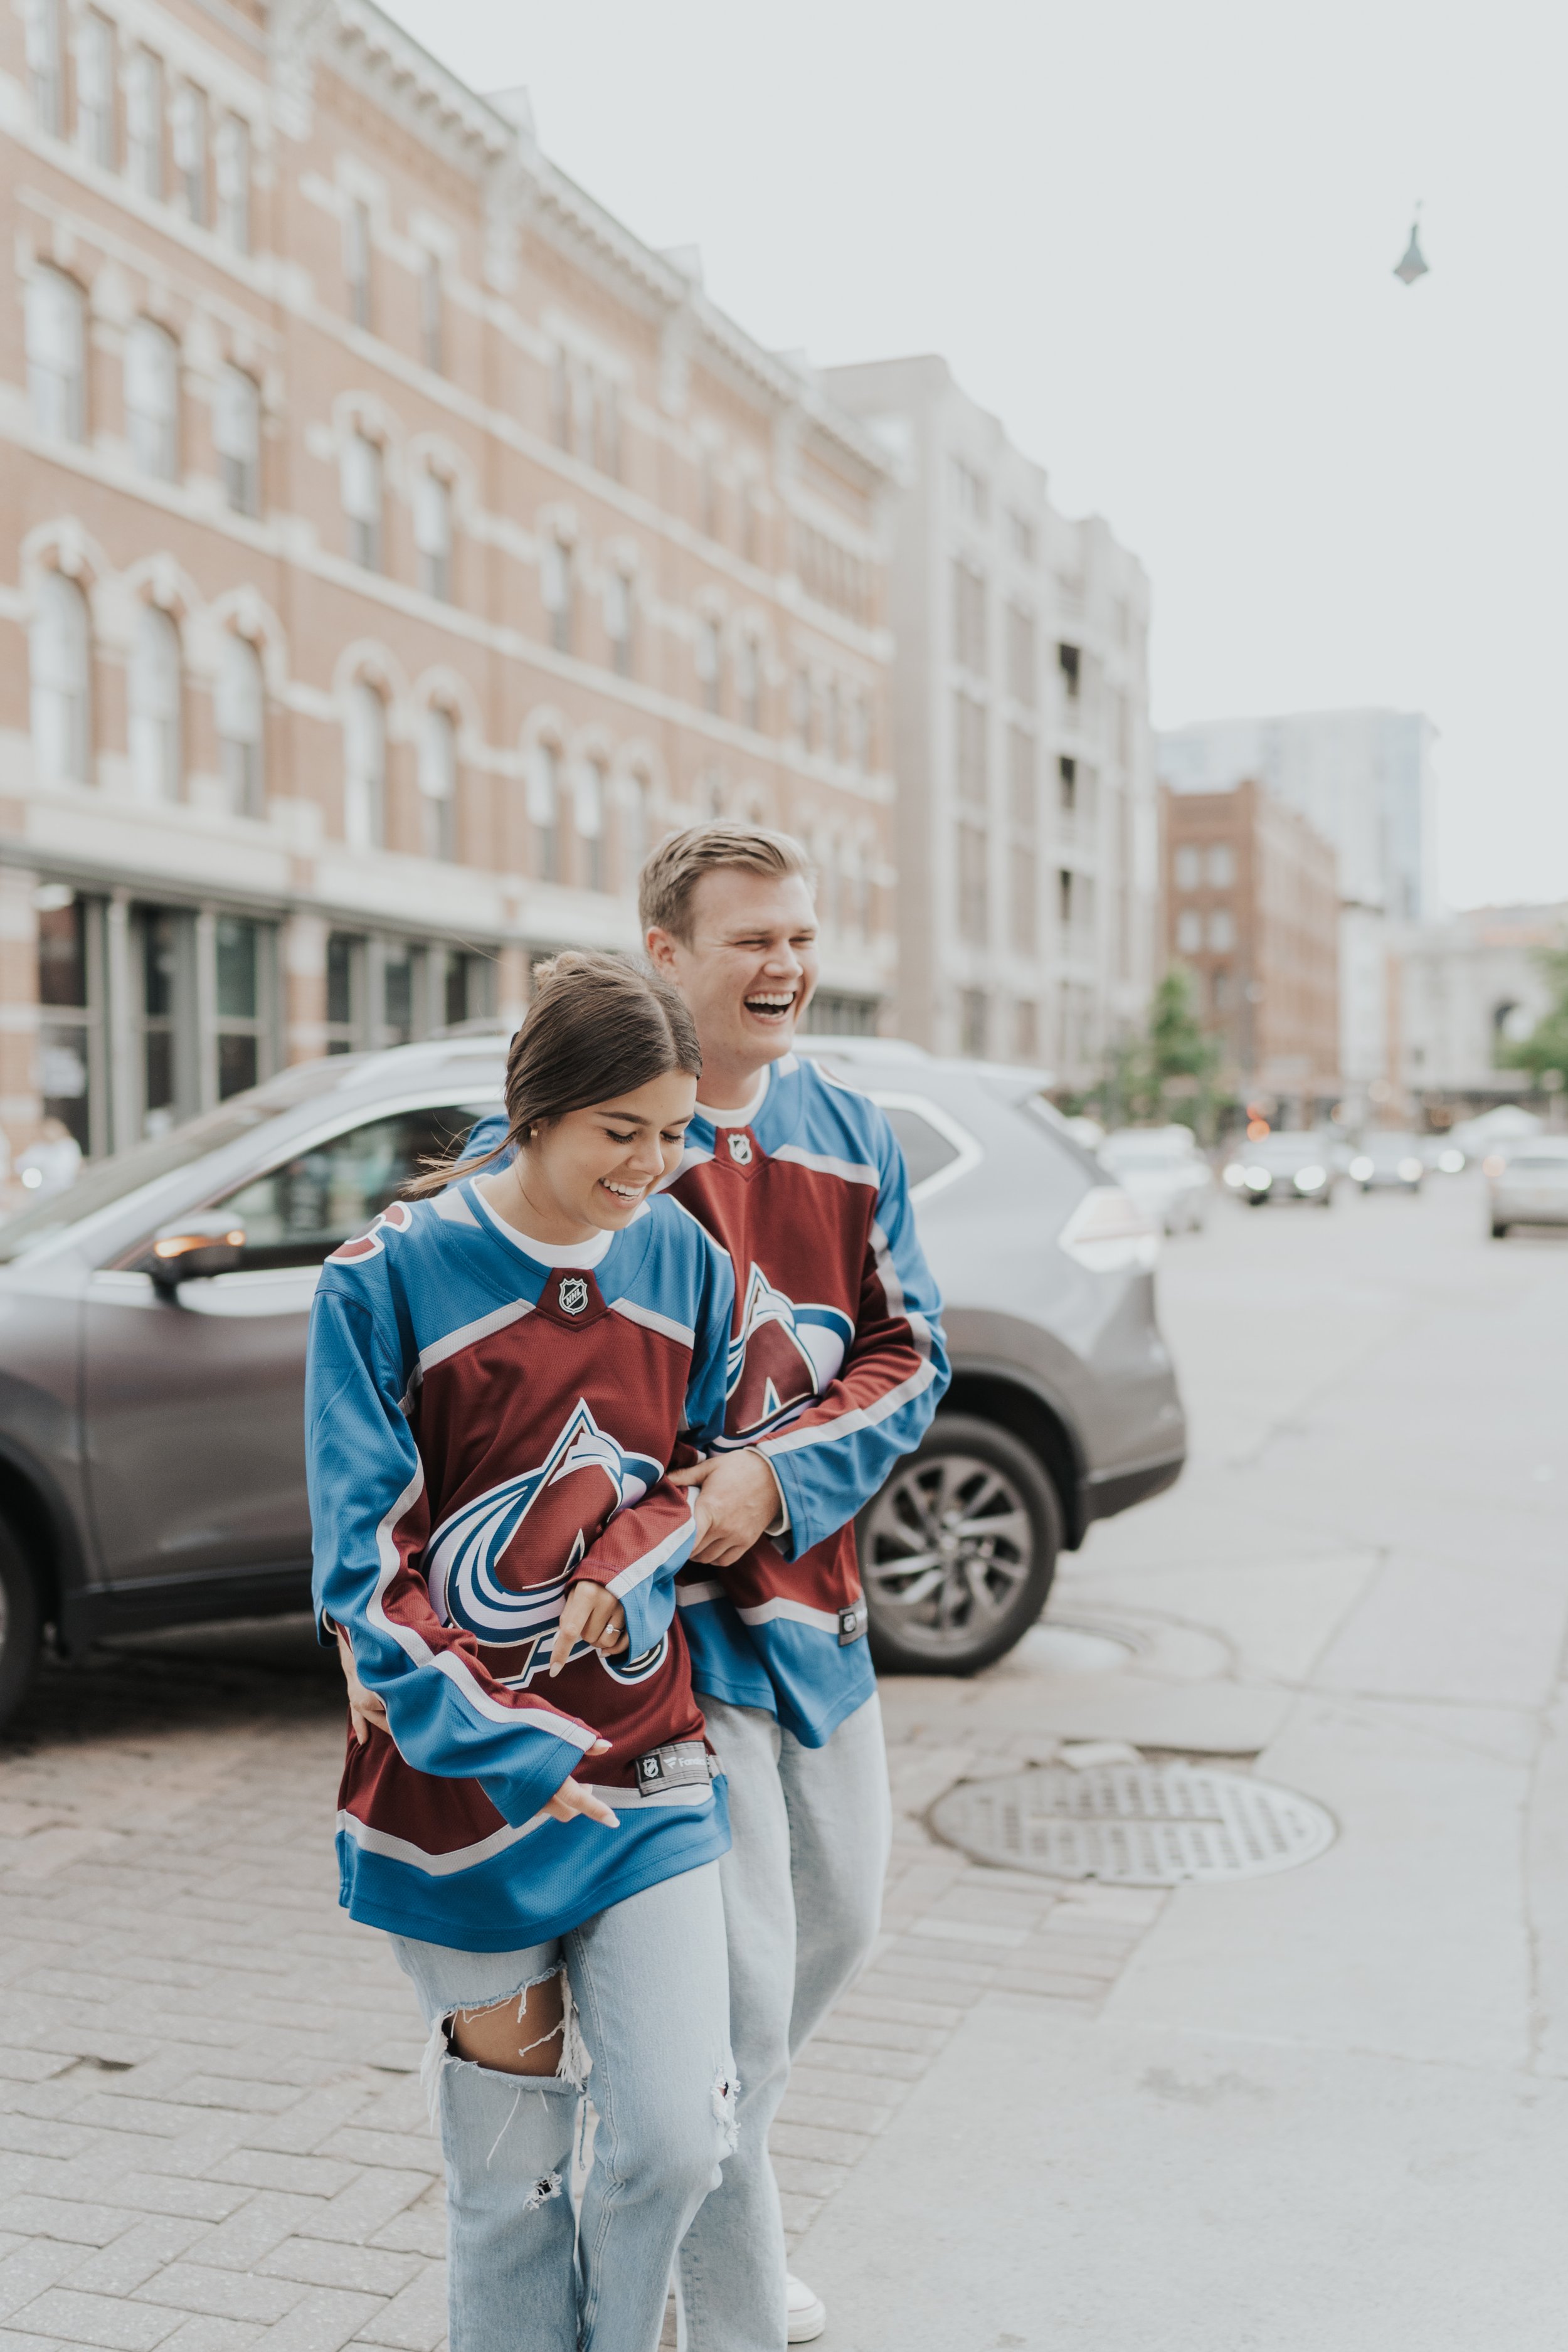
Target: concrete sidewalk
(1326, 2107)
(1323, 2108)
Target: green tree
(1169, 1066)
(1546, 1047)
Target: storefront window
(160, 959)
(345, 961)
(64, 1057)
(239, 1002)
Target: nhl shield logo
(740, 1147)
(573, 1293)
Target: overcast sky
(1157, 237)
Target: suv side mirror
(195, 1247)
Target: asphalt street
(1325, 2108)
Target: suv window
(925, 1149)
(297, 1214)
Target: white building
(1026, 827)
(1466, 988)
(1363, 778)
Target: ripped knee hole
(523, 2034)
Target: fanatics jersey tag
(682, 1764)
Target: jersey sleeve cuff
(519, 1796)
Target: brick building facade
(1252, 911)
(391, 546)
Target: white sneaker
(807, 2312)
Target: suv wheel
(19, 1626)
(958, 1550)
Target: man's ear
(661, 949)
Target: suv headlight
(1362, 1169)
(1257, 1179)
(1310, 1180)
(1411, 1170)
(1109, 1232)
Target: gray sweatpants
(803, 1895)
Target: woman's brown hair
(596, 1028)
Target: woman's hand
(369, 1713)
(366, 1712)
(572, 1799)
(591, 1615)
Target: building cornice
(522, 185)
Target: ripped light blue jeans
(647, 2039)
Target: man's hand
(742, 1498)
(591, 1615)
(366, 1712)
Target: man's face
(749, 966)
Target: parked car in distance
(153, 1336)
(1442, 1155)
(1284, 1167)
(1163, 1171)
(1388, 1162)
(1528, 1186)
(1502, 1130)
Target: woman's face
(597, 1167)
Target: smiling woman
(595, 1060)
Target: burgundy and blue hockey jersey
(836, 1363)
(486, 1424)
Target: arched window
(438, 783)
(56, 349)
(361, 485)
(364, 767)
(588, 815)
(188, 137)
(154, 696)
(710, 662)
(748, 681)
(853, 892)
(152, 399)
(60, 661)
(637, 801)
(144, 121)
(236, 437)
(94, 78)
(543, 810)
(555, 587)
(42, 30)
(618, 611)
(231, 160)
(238, 707)
(432, 533)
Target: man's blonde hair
(670, 876)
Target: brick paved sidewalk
(211, 2132)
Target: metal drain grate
(1134, 1824)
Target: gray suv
(152, 1332)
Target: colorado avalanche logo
(396, 1219)
(540, 1518)
(782, 1356)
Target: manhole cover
(1134, 1824)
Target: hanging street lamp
(1414, 263)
